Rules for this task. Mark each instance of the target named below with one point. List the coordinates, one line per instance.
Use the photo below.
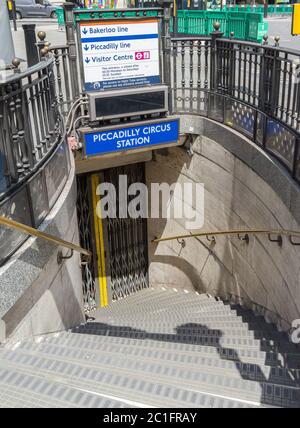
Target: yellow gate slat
(99, 243)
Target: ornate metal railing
(62, 70)
(252, 88)
(34, 158)
(30, 124)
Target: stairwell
(156, 348)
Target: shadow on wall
(231, 269)
(3, 185)
(196, 334)
(171, 265)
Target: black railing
(252, 88)
(62, 71)
(34, 158)
(30, 123)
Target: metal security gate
(119, 245)
(127, 239)
(86, 236)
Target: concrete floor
(277, 26)
(54, 36)
(282, 27)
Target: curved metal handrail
(42, 235)
(270, 232)
(246, 43)
(28, 72)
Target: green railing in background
(60, 17)
(245, 25)
(278, 9)
(248, 26)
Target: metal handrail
(42, 235)
(28, 72)
(289, 233)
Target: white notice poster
(120, 54)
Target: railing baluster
(199, 71)
(183, 73)
(15, 136)
(58, 77)
(191, 74)
(68, 88)
(175, 77)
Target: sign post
(126, 75)
(296, 20)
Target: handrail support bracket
(279, 239)
(61, 257)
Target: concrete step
(139, 392)
(162, 305)
(188, 379)
(237, 369)
(161, 348)
(201, 334)
(209, 315)
(211, 323)
(150, 294)
(21, 389)
(169, 327)
(185, 337)
(91, 341)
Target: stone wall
(244, 188)
(39, 296)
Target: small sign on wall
(296, 20)
(119, 54)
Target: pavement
(53, 34)
(277, 26)
(281, 26)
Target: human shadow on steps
(279, 386)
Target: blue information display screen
(131, 137)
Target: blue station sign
(132, 137)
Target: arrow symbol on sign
(86, 48)
(87, 60)
(85, 31)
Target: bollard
(265, 39)
(216, 34)
(71, 41)
(16, 64)
(30, 44)
(277, 40)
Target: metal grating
(85, 221)
(128, 242)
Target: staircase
(156, 348)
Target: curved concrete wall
(38, 296)
(244, 188)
